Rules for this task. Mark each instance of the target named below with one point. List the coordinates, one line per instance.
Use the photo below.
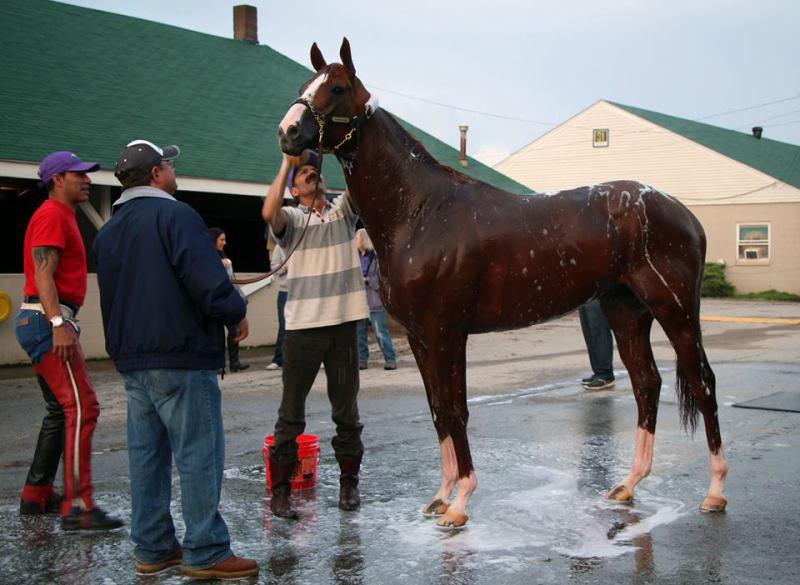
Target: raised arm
(272, 212)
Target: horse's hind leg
(443, 371)
(696, 388)
(631, 322)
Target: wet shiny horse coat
(458, 256)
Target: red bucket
(305, 475)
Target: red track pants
(70, 385)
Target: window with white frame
(752, 242)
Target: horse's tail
(687, 401)
(687, 404)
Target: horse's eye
(337, 89)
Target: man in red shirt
(55, 287)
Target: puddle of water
(255, 473)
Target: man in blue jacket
(165, 296)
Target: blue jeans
(278, 357)
(381, 328)
(599, 343)
(34, 334)
(176, 413)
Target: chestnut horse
(458, 256)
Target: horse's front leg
(441, 500)
(443, 369)
(438, 505)
(455, 516)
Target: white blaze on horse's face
(292, 117)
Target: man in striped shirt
(325, 302)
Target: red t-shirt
(54, 224)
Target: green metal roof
(777, 159)
(90, 81)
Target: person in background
(220, 241)
(55, 287)
(325, 302)
(278, 257)
(164, 297)
(377, 313)
(599, 344)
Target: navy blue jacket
(164, 293)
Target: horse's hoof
(620, 494)
(435, 509)
(452, 521)
(713, 504)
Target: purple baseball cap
(61, 162)
(308, 157)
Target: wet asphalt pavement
(545, 453)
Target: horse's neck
(391, 178)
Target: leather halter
(323, 119)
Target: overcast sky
(537, 62)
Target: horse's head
(332, 105)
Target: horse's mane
(421, 153)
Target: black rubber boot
(280, 504)
(349, 498)
(233, 358)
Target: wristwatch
(57, 321)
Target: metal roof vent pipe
(462, 157)
(245, 23)
(757, 131)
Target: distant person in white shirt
(277, 258)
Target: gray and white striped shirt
(324, 281)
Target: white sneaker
(273, 366)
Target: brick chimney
(462, 157)
(245, 23)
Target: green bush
(770, 295)
(714, 282)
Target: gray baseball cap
(139, 156)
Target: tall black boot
(38, 496)
(280, 504)
(349, 498)
(233, 357)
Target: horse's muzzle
(289, 141)
(301, 134)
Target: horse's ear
(317, 60)
(347, 59)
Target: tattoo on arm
(46, 257)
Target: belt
(34, 299)
(66, 311)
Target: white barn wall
(642, 151)
(262, 318)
